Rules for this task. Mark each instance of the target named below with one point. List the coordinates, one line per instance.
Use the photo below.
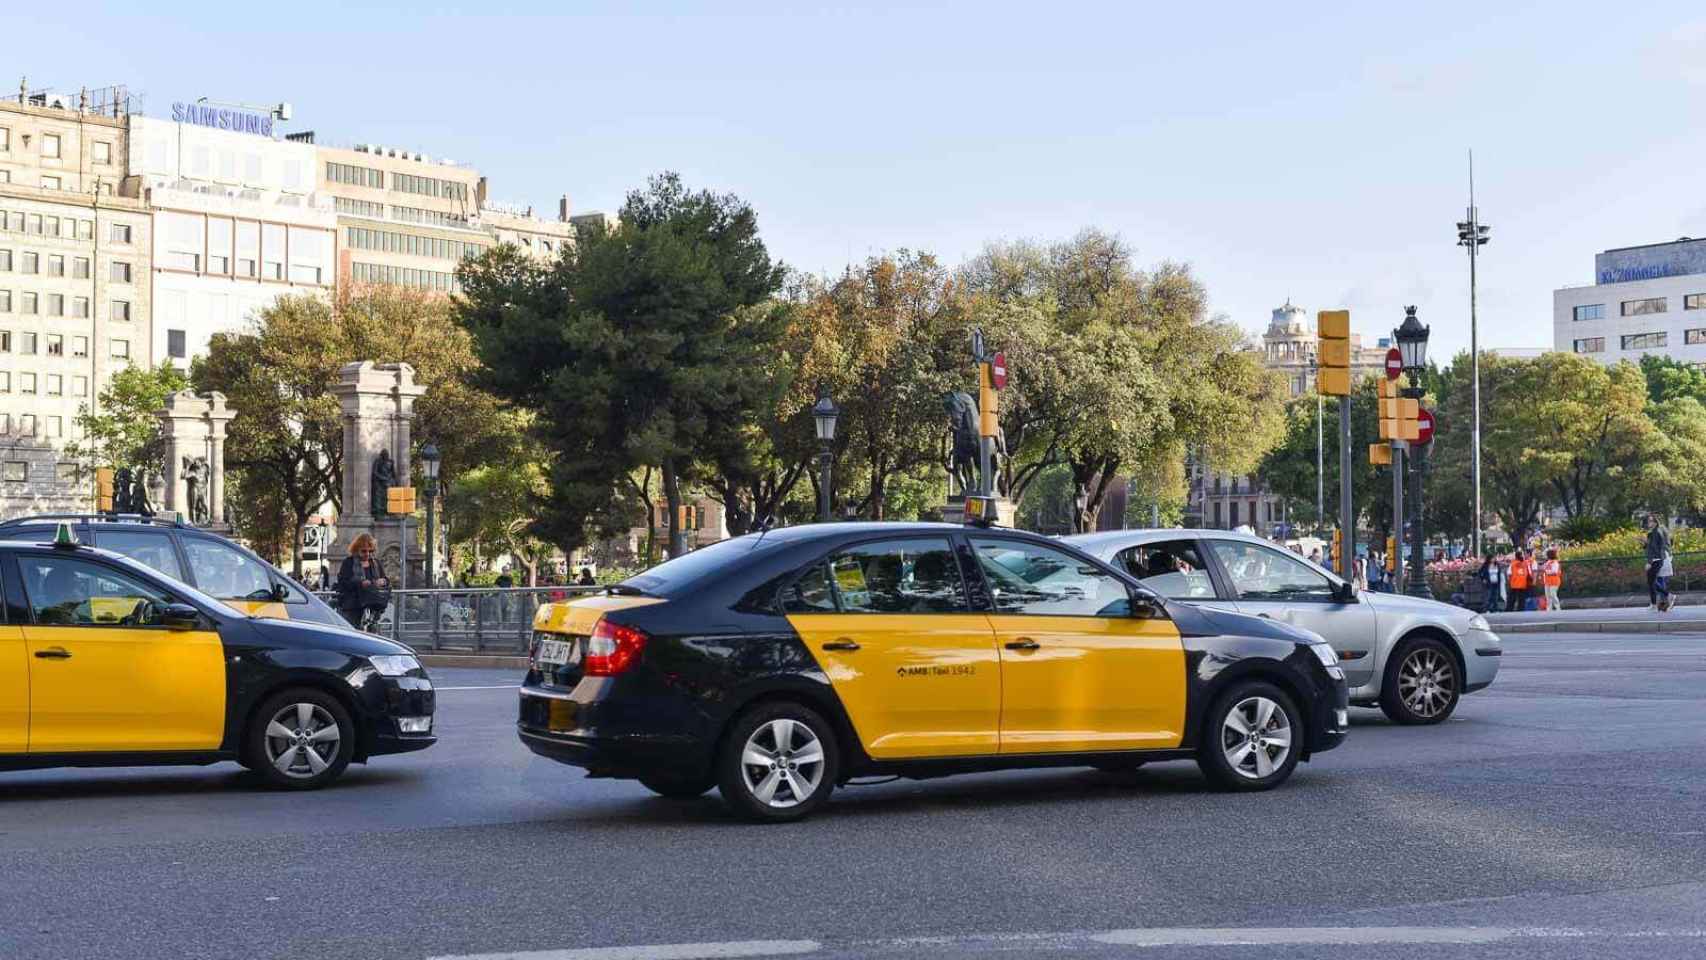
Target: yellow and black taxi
(104, 662)
(201, 558)
(778, 665)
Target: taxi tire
(678, 788)
(731, 777)
(255, 748)
(1211, 755)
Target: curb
(479, 660)
(1604, 626)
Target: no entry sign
(998, 371)
(1424, 425)
(1394, 364)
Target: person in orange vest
(1520, 575)
(1552, 577)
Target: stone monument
(378, 403)
(192, 429)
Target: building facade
(403, 218)
(238, 222)
(1645, 300)
(75, 259)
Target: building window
(5, 382)
(220, 265)
(5, 261)
(183, 261)
(56, 304)
(1694, 301)
(55, 385)
(35, 224)
(79, 346)
(30, 262)
(55, 265)
(65, 473)
(50, 145)
(120, 349)
(1644, 341)
(80, 307)
(79, 386)
(5, 138)
(1696, 335)
(27, 425)
(51, 226)
(5, 301)
(16, 471)
(55, 427)
(85, 229)
(121, 233)
(27, 341)
(121, 310)
(28, 305)
(175, 344)
(121, 272)
(26, 383)
(50, 183)
(56, 345)
(80, 268)
(103, 152)
(1641, 308)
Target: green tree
(495, 505)
(120, 430)
(1588, 428)
(633, 348)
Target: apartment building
(75, 257)
(403, 218)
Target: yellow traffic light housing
(399, 500)
(1333, 353)
(104, 490)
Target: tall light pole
(429, 468)
(824, 415)
(1471, 233)
(1320, 463)
(1412, 340)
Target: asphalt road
(1561, 814)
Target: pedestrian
(1552, 577)
(1359, 574)
(1493, 579)
(362, 585)
(586, 579)
(1517, 582)
(505, 580)
(1658, 553)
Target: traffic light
(687, 518)
(1391, 554)
(1338, 546)
(1398, 415)
(1333, 353)
(1380, 454)
(104, 490)
(399, 501)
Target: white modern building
(1646, 300)
(238, 222)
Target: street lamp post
(825, 415)
(429, 467)
(1412, 340)
(1472, 235)
(1320, 463)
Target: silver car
(1413, 658)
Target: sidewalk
(1632, 619)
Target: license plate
(554, 653)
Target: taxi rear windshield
(676, 576)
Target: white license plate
(554, 652)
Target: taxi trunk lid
(571, 623)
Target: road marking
(668, 951)
(498, 686)
(1278, 936)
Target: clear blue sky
(1315, 152)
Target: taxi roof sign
(980, 511)
(64, 538)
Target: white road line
(668, 951)
(1276, 936)
(499, 686)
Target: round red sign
(1394, 364)
(998, 371)
(1424, 426)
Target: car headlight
(1324, 653)
(1478, 622)
(394, 666)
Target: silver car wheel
(302, 740)
(1256, 737)
(1427, 682)
(782, 763)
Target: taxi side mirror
(180, 616)
(1146, 607)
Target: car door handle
(841, 643)
(1024, 643)
(54, 653)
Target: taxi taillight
(612, 649)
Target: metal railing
(467, 619)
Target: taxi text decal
(953, 670)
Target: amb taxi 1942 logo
(951, 670)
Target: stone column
(378, 404)
(218, 415)
(183, 427)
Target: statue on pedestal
(963, 452)
(384, 477)
(121, 491)
(139, 494)
(195, 482)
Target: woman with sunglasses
(362, 584)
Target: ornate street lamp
(429, 467)
(1412, 340)
(825, 414)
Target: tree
(495, 505)
(124, 430)
(633, 348)
(1588, 428)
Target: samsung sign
(219, 118)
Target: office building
(1645, 300)
(75, 261)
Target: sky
(1310, 152)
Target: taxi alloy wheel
(301, 739)
(779, 762)
(1252, 738)
(1421, 686)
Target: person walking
(586, 579)
(1493, 580)
(1359, 574)
(1552, 577)
(1520, 574)
(362, 584)
(1658, 553)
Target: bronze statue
(139, 494)
(195, 483)
(963, 453)
(121, 491)
(384, 477)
